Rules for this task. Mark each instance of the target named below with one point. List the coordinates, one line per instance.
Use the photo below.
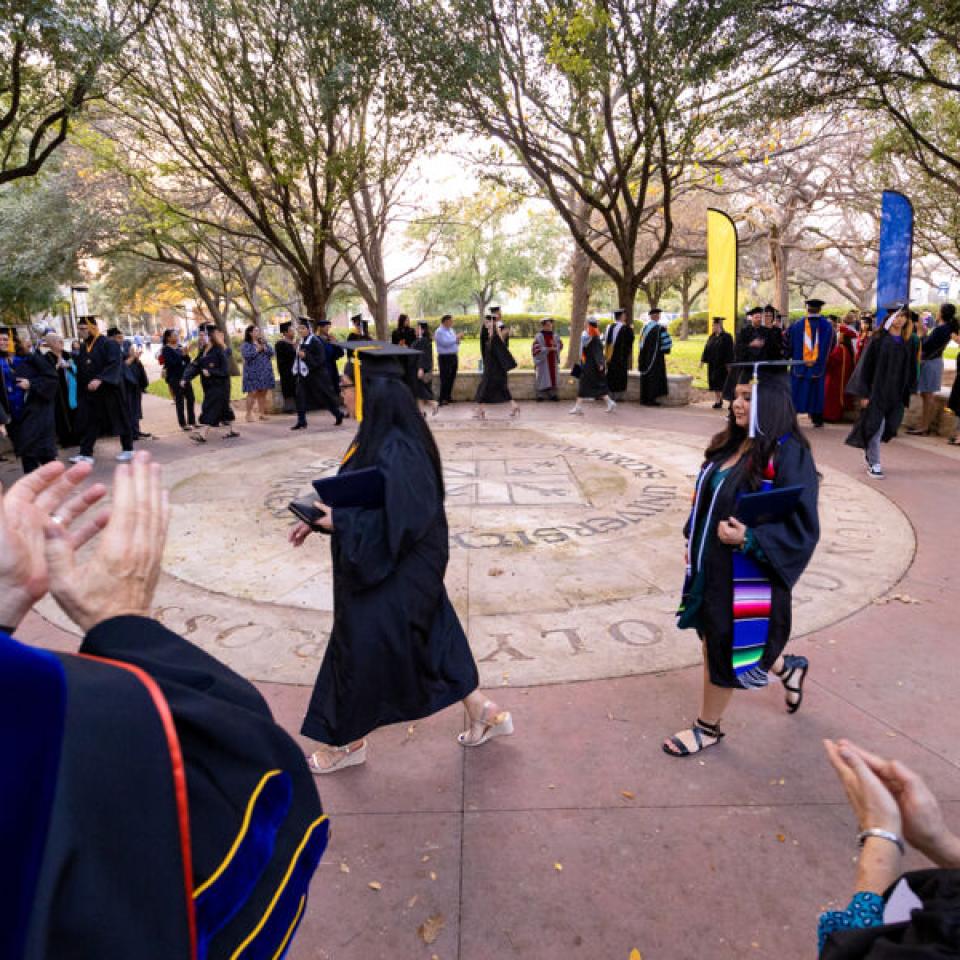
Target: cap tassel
(358, 387)
(754, 400)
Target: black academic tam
(183, 822)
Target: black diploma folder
(768, 506)
(358, 488)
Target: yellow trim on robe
(293, 926)
(286, 877)
(239, 838)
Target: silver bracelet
(883, 835)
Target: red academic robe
(839, 368)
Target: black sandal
(791, 665)
(698, 729)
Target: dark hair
(948, 313)
(388, 403)
(446, 316)
(777, 419)
(424, 329)
(248, 333)
(167, 334)
(403, 320)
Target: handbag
(576, 371)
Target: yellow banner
(721, 269)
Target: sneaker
(125, 456)
(575, 412)
(80, 458)
(611, 407)
(875, 471)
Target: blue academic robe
(808, 383)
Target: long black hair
(776, 420)
(388, 404)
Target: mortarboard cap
(324, 322)
(357, 319)
(814, 304)
(305, 321)
(769, 308)
(114, 332)
(495, 310)
(376, 358)
(546, 320)
(619, 312)
(592, 322)
(286, 325)
(764, 373)
(753, 311)
(88, 318)
(654, 311)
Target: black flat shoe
(299, 426)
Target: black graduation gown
(498, 362)
(423, 388)
(316, 388)
(931, 933)
(403, 336)
(717, 355)
(37, 429)
(397, 651)
(887, 374)
(787, 545)
(618, 366)
(107, 404)
(112, 883)
(593, 371)
(215, 408)
(652, 364)
(772, 347)
(64, 416)
(286, 355)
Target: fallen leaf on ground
(635, 954)
(495, 572)
(430, 929)
(344, 868)
(781, 838)
(433, 876)
(425, 858)
(375, 885)
(627, 794)
(411, 729)
(558, 867)
(411, 903)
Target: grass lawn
(685, 358)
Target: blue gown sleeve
(369, 544)
(865, 910)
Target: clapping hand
(872, 802)
(120, 577)
(46, 497)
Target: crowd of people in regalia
(234, 826)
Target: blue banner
(896, 252)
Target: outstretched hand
(47, 496)
(120, 577)
(872, 802)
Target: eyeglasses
(346, 385)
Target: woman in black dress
(497, 363)
(397, 651)
(404, 335)
(737, 591)
(592, 384)
(174, 358)
(212, 366)
(423, 388)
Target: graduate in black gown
(397, 651)
(213, 369)
(884, 380)
(655, 344)
(618, 351)
(101, 404)
(494, 386)
(315, 389)
(717, 355)
(37, 429)
(737, 591)
(423, 388)
(754, 342)
(592, 381)
(286, 351)
(151, 808)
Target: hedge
(521, 324)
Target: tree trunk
(686, 282)
(380, 310)
(779, 256)
(580, 266)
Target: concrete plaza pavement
(577, 837)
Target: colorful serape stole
(751, 611)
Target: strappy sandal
(499, 725)
(514, 413)
(345, 757)
(698, 729)
(791, 665)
